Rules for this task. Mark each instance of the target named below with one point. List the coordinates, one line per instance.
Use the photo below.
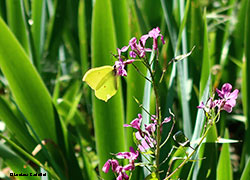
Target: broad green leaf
(108, 117)
(121, 20)
(30, 93)
(224, 167)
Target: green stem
(158, 117)
(30, 157)
(196, 148)
(190, 155)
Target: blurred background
(46, 46)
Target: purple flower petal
(129, 61)
(106, 167)
(144, 144)
(228, 100)
(201, 106)
(143, 39)
(166, 120)
(220, 93)
(227, 108)
(226, 88)
(120, 68)
(138, 136)
(128, 167)
(132, 54)
(234, 94)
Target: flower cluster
(121, 170)
(137, 50)
(226, 101)
(146, 137)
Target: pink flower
(120, 64)
(228, 100)
(210, 104)
(136, 123)
(155, 33)
(166, 120)
(138, 49)
(111, 162)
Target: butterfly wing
(103, 81)
(95, 75)
(107, 87)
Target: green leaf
(108, 117)
(82, 30)
(38, 29)
(16, 22)
(224, 167)
(246, 84)
(246, 172)
(205, 72)
(16, 163)
(208, 150)
(30, 93)
(16, 126)
(121, 20)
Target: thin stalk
(140, 72)
(189, 156)
(168, 135)
(195, 149)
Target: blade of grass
(82, 31)
(246, 172)
(183, 73)
(207, 167)
(16, 22)
(247, 84)
(224, 167)
(38, 28)
(205, 71)
(18, 129)
(198, 129)
(3, 9)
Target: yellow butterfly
(103, 80)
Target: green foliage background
(46, 46)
